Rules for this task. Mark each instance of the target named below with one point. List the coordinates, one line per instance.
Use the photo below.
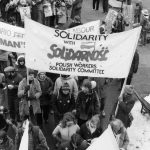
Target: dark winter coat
(63, 103)
(22, 71)
(76, 8)
(46, 87)
(135, 63)
(15, 82)
(87, 105)
(125, 108)
(38, 138)
(86, 134)
(8, 145)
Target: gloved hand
(30, 98)
(27, 88)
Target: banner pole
(121, 95)
(28, 84)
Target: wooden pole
(121, 95)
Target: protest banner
(25, 12)
(106, 141)
(12, 38)
(110, 19)
(101, 56)
(25, 138)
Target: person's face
(31, 78)
(69, 123)
(85, 90)
(42, 76)
(65, 92)
(93, 123)
(21, 62)
(116, 129)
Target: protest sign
(128, 14)
(12, 38)
(115, 3)
(110, 19)
(106, 141)
(108, 56)
(25, 12)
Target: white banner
(106, 141)
(25, 138)
(61, 52)
(12, 37)
(110, 19)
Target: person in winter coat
(87, 103)
(119, 24)
(12, 82)
(96, 4)
(20, 67)
(67, 127)
(6, 143)
(45, 99)
(76, 143)
(120, 133)
(134, 67)
(76, 22)
(76, 8)
(36, 138)
(72, 84)
(145, 23)
(100, 83)
(63, 102)
(90, 130)
(126, 104)
(30, 95)
(137, 12)
(62, 15)
(3, 100)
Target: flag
(106, 141)
(61, 52)
(25, 138)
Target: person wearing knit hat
(63, 102)
(126, 103)
(88, 103)
(46, 98)
(20, 66)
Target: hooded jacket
(72, 83)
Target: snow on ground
(139, 132)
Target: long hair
(69, 116)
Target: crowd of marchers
(77, 103)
